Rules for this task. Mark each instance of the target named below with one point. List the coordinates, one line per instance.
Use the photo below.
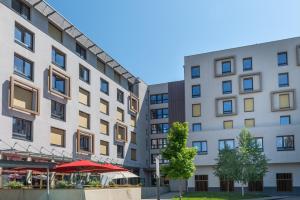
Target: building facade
(64, 98)
(255, 87)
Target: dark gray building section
(176, 101)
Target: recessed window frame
(88, 119)
(252, 120)
(133, 137)
(230, 85)
(85, 92)
(133, 156)
(106, 123)
(230, 122)
(198, 91)
(200, 150)
(106, 103)
(23, 32)
(121, 111)
(24, 62)
(133, 103)
(248, 89)
(283, 146)
(223, 65)
(120, 96)
(54, 52)
(194, 125)
(53, 115)
(279, 54)
(63, 145)
(197, 75)
(35, 96)
(118, 126)
(285, 84)
(245, 102)
(254, 142)
(62, 75)
(120, 151)
(225, 111)
(21, 9)
(106, 145)
(17, 135)
(225, 143)
(244, 64)
(84, 74)
(91, 137)
(81, 51)
(285, 116)
(193, 113)
(57, 29)
(102, 81)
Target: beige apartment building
(64, 98)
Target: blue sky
(151, 37)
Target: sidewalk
(167, 196)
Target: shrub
(63, 185)
(94, 184)
(14, 185)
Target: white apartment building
(257, 87)
(63, 97)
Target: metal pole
(157, 177)
(48, 190)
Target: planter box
(126, 193)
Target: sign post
(157, 177)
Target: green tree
(227, 165)
(252, 162)
(181, 158)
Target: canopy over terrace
(62, 23)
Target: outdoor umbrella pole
(48, 191)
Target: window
(159, 128)
(284, 101)
(132, 121)
(226, 144)
(283, 79)
(227, 107)
(120, 151)
(248, 105)
(161, 159)
(159, 143)
(117, 77)
(282, 58)
(104, 87)
(84, 120)
(284, 182)
(196, 110)
(120, 114)
(21, 8)
(285, 143)
(133, 103)
(84, 74)
(201, 147)
(228, 124)
(23, 97)
(85, 142)
(227, 87)
(58, 110)
(104, 106)
(104, 127)
(247, 64)
(196, 91)
(24, 37)
(59, 83)
(57, 137)
(81, 51)
(22, 129)
(201, 183)
(133, 154)
(121, 133)
(55, 33)
(248, 84)
(159, 98)
(249, 123)
(120, 96)
(84, 97)
(160, 113)
(23, 67)
(101, 66)
(196, 127)
(104, 148)
(285, 120)
(195, 72)
(58, 58)
(258, 142)
(133, 138)
(226, 67)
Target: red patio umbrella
(114, 167)
(79, 166)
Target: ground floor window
(201, 183)
(255, 186)
(284, 182)
(226, 186)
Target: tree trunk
(180, 190)
(243, 192)
(227, 185)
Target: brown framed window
(133, 103)
(24, 97)
(55, 33)
(249, 123)
(59, 83)
(104, 106)
(84, 97)
(120, 114)
(104, 148)
(196, 110)
(228, 124)
(85, 142)
(84, 120)
(57, 137)
(22, 129)
(201, 183)
(104, 127)
(284, 101)
(120, 96)
(284, 182)
(248, 104)
(133, 154)
(132, 121)
(120, 132)
(133, 138)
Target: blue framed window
(258, 142)
(227, 87)
(226, 144)
(159, 113)
(285, 143)
(59, 84)
(226, 67)
(196, 91)
(24, 37)
(248, 84)
(58, 58)
(196, 127)
(282, 58)
(227, 107)
(247, 64)
(285, 120)
(283, 79)
(195, 72)
(104, 87)
(21, 8)
(159, 98)
(81, 51)
(23, 67)
(201, 147)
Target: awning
(118, 175)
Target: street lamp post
(157, 177)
